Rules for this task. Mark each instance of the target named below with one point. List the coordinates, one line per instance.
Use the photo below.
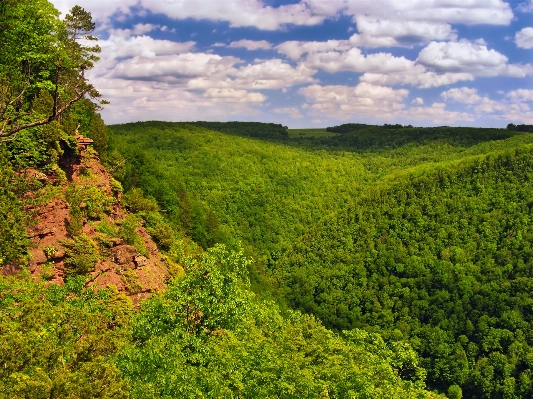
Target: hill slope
(441, 258)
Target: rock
(123, 255)
(140, 261)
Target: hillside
(158, 260)
(69, 327)
(440, 258)
(420, 235)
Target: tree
(41, 52)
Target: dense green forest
(419, 235)
(355, 261)
(207, 334)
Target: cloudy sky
(315, 63)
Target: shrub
(13, 238)
(128, 232)
(89, 201)
(116, 187)
(49, 251)
(136, 201)
(81, 255)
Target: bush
(86, 201)
(13, 239)
(128, 232)
(81, 255)
(136, 201)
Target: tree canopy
(40, 52)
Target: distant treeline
(390, 136)
(247, 129)
(520, 128)
(353, 127)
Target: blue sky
(315, 63)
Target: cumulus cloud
(174, 66)
(462, 56)
(354, 60)
(251, 44)
(238, 13)
(236, 95)
(445, 63)
(296, 49)
(436, 113)
(149, 100)
(521, 95)
(408, 23)
(524, 38)
(463, 95)
(345, 102)
(121, 45)
(487, 105)
(404, 21)
(379, 31)
(267, 74)
(292, 111)
(496, 12)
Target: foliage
(81, 255)
(128, 232)
(137, 202)
(347, 128)
(208, 336)
(50, 251)
(41, 52)
(57, 341)
(91, 201)
(520, 128)
(246, 129)
(14, 241)
(441, 258)
(223, 188)
(98, 132)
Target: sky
(315, 63)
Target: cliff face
(82, 200)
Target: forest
(354, 261)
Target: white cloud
(463, 95)
(418, 100)
(375, 18)
(295, 49)
(496, 12)
(524, 38)
(344, 102)
(149, 100)
(486, 105)
(174, 66)
(292, 111)
(267, 74)
(462, 56)
(402, 32)
(412, 22)
(521, 95)
(121, 45)
(354, 60)
(436, 113)
(238, 13)
(237, 95)
(252, 44)
(418, 76)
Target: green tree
(41, 52)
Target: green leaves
(208, 336)
(57, 341)
(40, 52)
